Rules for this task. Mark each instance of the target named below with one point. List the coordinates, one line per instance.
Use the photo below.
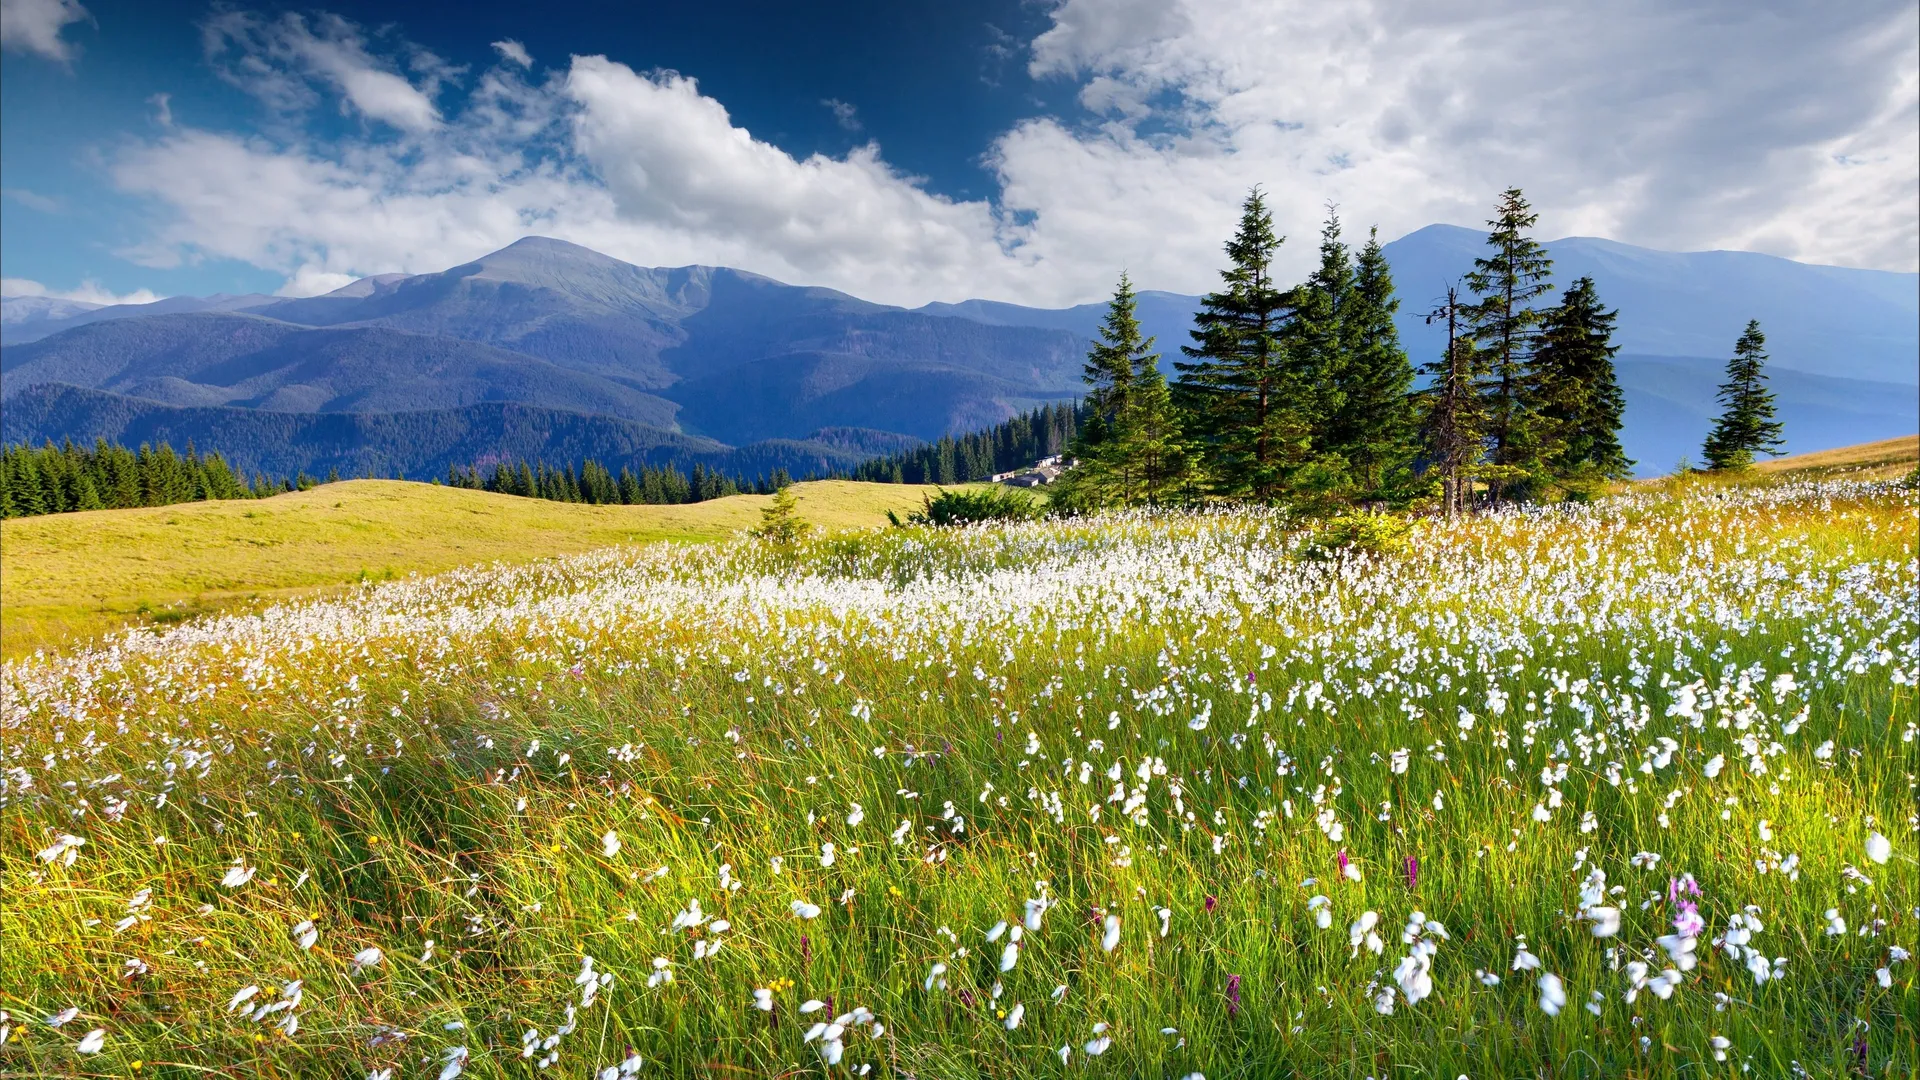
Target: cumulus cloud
(1715, 126)
(641, 166)
(34, 26)
(91, 292)
(277, 59)
(1787, 129)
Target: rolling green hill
(65, 577)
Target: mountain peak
(544, 255)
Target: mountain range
(552, 351)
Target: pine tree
(780, 522)
(1238, 393)
(1151, 437)
(1746, 425)
(1373, 426)
(1107, 472)
(1505, 324)
(1579, 399)
(1453, 411)
(1317, 341)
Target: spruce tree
(1238, 392)
(1453, 418)
(1317, 341)
(1746, 425)
(1579, 399)
(1505, 324)
(1151, 436)
(1108, 450)
(1373, 426)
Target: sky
(908, 151)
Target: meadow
(1617, 789)
(65, 578)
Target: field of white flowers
(1617, 790)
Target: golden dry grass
(1875, 460)
(64, 577)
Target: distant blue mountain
(735, 358)
(704, 351)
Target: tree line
(53, 479)
(1013, 444)
(1304, 394)
(594, 484)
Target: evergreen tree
(1453, 411)
(1106, 472)
(1580, 401)
(1373, 425)
(1238, 392)
(1317, 343)
(1746, 425)
(1151, 436)
(1505, 324)
(780, 522)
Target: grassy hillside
(69, 576)
(1866, 461)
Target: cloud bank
(1720, 125)
(91, 292)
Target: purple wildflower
(1341, 859)
(1688, 922)
(1233, 995)
(1212, 902)
(1684, 885)
(1413, 871)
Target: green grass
(439, 760)
(67, 577)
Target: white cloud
(34, 26)
(1718, 124)
(514, 51)
(844, 113)
(1787, 132)
(274, 59)
(46, 204)
(642, 167)
(91, 292)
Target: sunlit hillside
(67, 576)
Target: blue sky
(910, 151)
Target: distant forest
(594, 484)
(1014, 444)
(53, 479)
(57, 479)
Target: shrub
(780, 523)
(1357, 534)
(970, 505)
